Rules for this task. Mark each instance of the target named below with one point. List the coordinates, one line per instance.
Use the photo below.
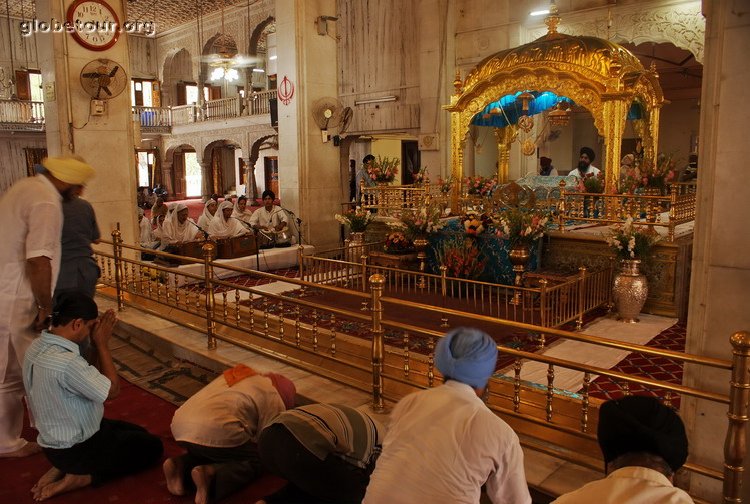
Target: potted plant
(445, 185)
(357, 220)
(383, 170)
(656, 175)
(461, 257)
(397, 243)
(631, 244)
(480, 186)
(521, 227)
(419, 223)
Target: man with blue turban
(444, 443)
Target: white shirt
(220, 228)
(268, 219)
(223, 416)
(442, 445)
(628, 485)
(32, 214)
(174, 232)
(592, 169)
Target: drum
(239, 246)
(266, 239)
(283, 238)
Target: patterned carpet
(246, 280)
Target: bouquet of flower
(591, 183)
(462, 258)
(480, 186)
(417, 224)
(521, 226)
(629, 242)
(475, 223)
(445, 185)
(397, 243)
(357, 219)
(657, 174)
(383, 170)
(422, 177)
(630, 180)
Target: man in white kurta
(29, 265)
(443, 444)
(269, 217)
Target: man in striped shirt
(325, 451)
(66, 397)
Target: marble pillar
(105, 141)
(207, 186)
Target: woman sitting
(209, 210)
(224, 225)
(240, 210)
(179, 228)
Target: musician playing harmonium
(178, 227)
(223, 225)
(269, 217)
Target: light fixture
(381, 99)
(542, 12)
(525, 98)
(272, 58)
(258, 70)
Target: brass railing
(390, 358)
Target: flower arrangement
(417, 224)
(383, 170)
(591, 183)
(657, 174)
(475, 223)
(462, 258)
(629, 242)
(480, 186)
(520, 226)
(445, 185)
(357, 219)
(397, 243)
(422, 177)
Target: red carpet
(196, 205)
(137, 406)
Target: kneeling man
(66, 397)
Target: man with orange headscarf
(30, 256)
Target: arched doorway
(224, 165)
(186, 171)
(178, 77)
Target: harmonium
(185, 249)
(238, 246)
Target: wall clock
(96, 24)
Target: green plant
(445, 185)
(383, 169)
(357, 219)
(461, 257)
(419, 223)
(629, 242)
(519, 225)
(591, 183)
(480, 186)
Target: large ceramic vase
(630, 291)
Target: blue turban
(467, 355)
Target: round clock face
(94, 23)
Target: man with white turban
(178, 227)
(223, 225)
(464, 445)
(30, 257)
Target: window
(142, 92)
(35, 83)
(145, 167)
(193, 176)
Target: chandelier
(225, 72)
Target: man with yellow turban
(30, 258)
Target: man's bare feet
(203, 476)
(173, 468)
(30, 448)
(50, 476)
(68, 483)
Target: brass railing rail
(304, 333)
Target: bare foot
(30, 448)
(173, 468)
(50, 476)
(68, 483)
(202, 477)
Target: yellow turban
(69, 170)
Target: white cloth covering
(245, 215)
(592, 169)
(176, 232)
(269, 219)
(222, 416)
(221, 228)
(463, 446)
(146, 234)
(32, 213)
(628, 485)
(206, 217)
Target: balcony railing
(21, 115)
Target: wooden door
(271, 171)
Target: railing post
(672, 211)
(735, 444)
(581, 296)
(117, 253)
(444, 292)
(377, 281)
(561, 208)
(300, 263)
(542, 310)
(363, 259)
(209, 250)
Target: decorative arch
(252, 46)
(216, 180)
(178, 67)
(174, 169)
(251, 186)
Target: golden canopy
(597, 74)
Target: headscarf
(467, 355)
(627, 160)
(205, 219)
(221, 228)
(589, 152)
(285, 387)
(240, 214)
(642, 424)
(176, 231)
(69, 169)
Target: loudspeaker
(274, 106)
(336, 140)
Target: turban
(642, 424)
(467, 355)
(589, 152)
(285, 387)
(545, 161)
(69, 170)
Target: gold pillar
(615, 113)
(505, 137)
(377, 281)
(653, 127)
(457, 150)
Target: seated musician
(209, 210)
(223, 225)
(178, 227)
(240, 210)
(269, 217)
